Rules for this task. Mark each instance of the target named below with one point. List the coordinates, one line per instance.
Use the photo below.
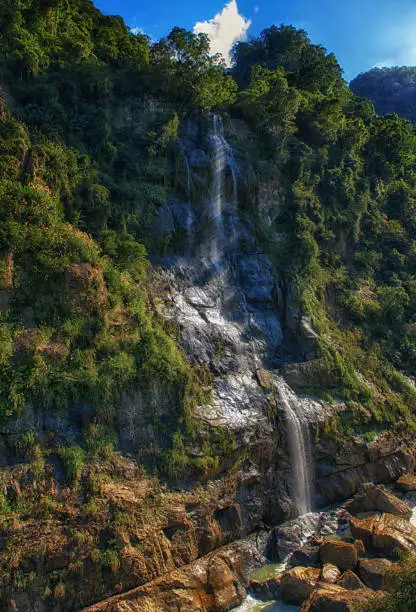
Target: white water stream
(222, 158)
(254, 605)
(300, 448)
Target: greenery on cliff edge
(90, 117)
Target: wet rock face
(235, 317)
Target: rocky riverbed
(335, 560)
(330, 561)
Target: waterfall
(219, 162)
(299, 446)
(222, 158)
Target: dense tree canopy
(103, 109)
(347, 214)
(392, 90)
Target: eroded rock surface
(213, 583)
(333, 598)
(372, 498)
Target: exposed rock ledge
(214, 582)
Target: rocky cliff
(241, 323)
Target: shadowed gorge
(207, 322)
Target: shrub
(73, 458)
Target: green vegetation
(400, 589)
(73, 458)
(76, 325)
(87, 156)
(392, 90)
(347, 185)
(89, 119)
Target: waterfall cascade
(222, 158)
(300, 449)
(236, 299)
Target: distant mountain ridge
(392, 90)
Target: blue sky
(361, 33)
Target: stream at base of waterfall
(254, 605)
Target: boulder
(393, 535)
(298, 583)
(329, 573)
(289, 537)
(307, 556)
(342, 554)
(333, 598)
(350, 581)
(371, 571)
(371, 497)
(224, 586)
(362, 528)
(406, 483)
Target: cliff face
(113, 529)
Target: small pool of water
(267, 571)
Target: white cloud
(385, 64)
(225, 29)
(136, 30)
(403, 57)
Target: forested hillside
(392, 90)
(90, 120)
(348, 211)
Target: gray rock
(306, 556)
(172, 217)
(199, 159)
